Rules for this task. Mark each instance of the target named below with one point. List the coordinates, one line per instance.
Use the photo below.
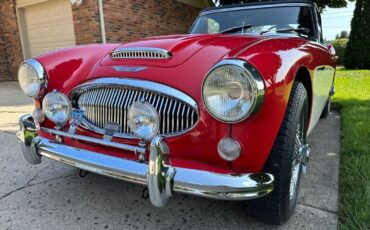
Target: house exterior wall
(86, 23)
(125, 20)
(10, 44)
(129, 20)
(4, 70)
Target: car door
(323, 74)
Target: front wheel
(286, 161)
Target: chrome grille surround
(140, 52)
(108, 99)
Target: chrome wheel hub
(300, 159)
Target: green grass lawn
(352, 99)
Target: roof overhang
(199, 3)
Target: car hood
(182, 47)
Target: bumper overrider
(161, 179)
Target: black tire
(277, 207)
(326, 110)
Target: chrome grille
(109, 103)
(140, 52)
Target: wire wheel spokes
(297, 158)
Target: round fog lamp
(228, 149)
(57, 107)
(143, 120)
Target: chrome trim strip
(130, 148)
(257, 80)
(246, 7)
(129, 68)
(140, 52)
(115, 167)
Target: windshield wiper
(298, 30)
(236, 28)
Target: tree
(340, 46)
(357, 54)
(320, 3)
(343, 34)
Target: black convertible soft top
(268, 2)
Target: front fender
(67, 67)
(278, 61)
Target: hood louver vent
(140, 53)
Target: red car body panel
(277, 58)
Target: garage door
(48, 26)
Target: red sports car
(222, 112)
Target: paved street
(52, 196)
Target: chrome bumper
(160, 178)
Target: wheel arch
(303, 76)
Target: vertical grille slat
(103, 104)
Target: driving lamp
(57, 107)
(228, 149)
(32, 78)
(143, 120)
(231, 90)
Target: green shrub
(340, 47)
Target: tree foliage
(320, 3)
(357, 54)
(343, 34)
(340, 46)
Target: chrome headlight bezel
(41, 77)
(254, 77)
(66, 104)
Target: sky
(335, 20)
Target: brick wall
(10, 46)
(4, 70)
(128, 20)
(86, 22)
(125, 20)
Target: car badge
(110, 129)
(129, 69)
(75, 120)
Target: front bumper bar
(161, 178)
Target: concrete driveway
(53, 196)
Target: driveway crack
(29, 183)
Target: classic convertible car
(222, 112)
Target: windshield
(260, 20)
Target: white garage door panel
(49, 26)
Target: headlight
(32, 78)
(232, 90)
(143, 120)
(57, 107)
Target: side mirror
(331, 49)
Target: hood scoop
(140, 53)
